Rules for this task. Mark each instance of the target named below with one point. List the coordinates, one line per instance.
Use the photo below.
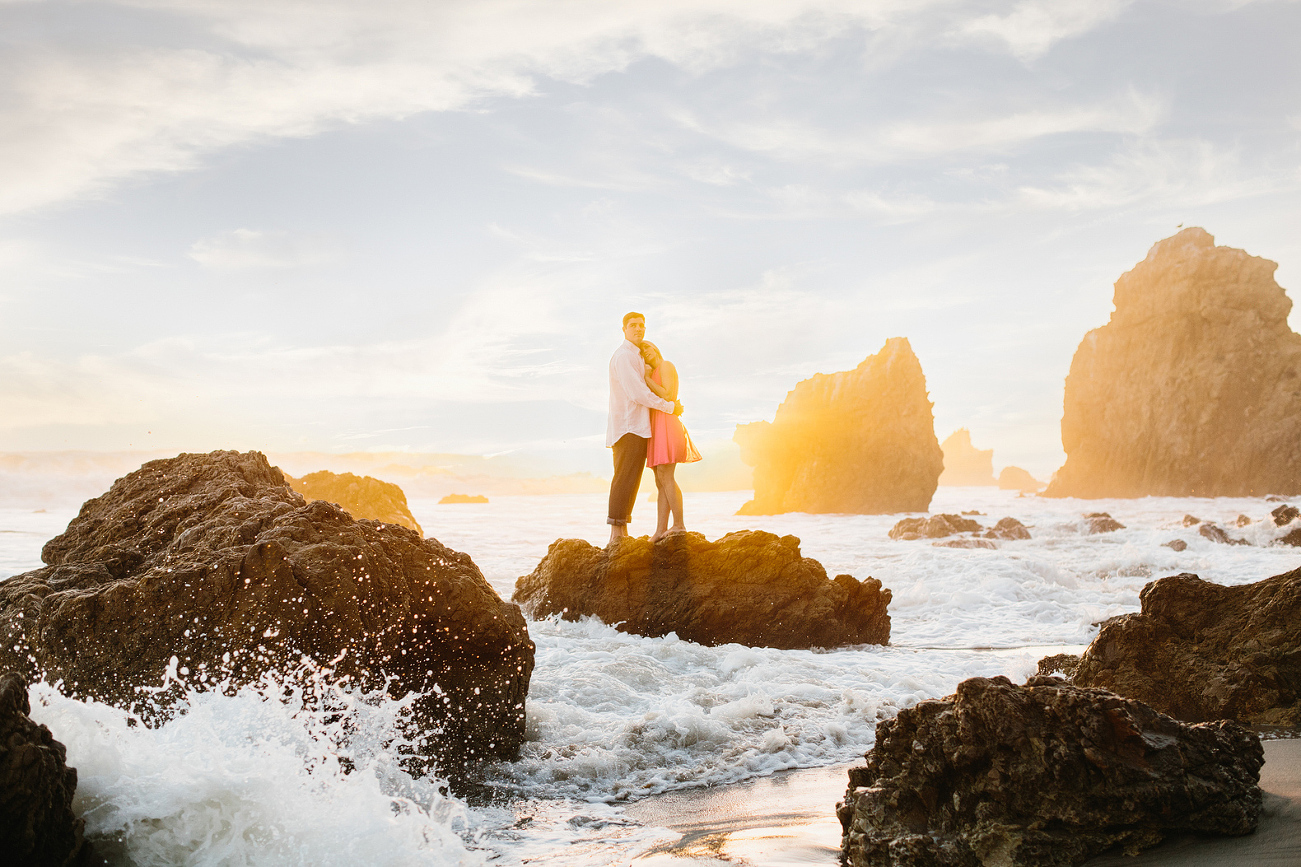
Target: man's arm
(628, 371)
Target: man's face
(635, 330)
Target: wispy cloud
(250, 249)
(1034, 26)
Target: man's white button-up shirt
(631, 400)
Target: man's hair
(628, 316)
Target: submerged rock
(965, 543)
(1284, 515)
(1202, 651)
(1009, 529)
(1218, 535)
(1017, 479)
(1190, 389)
(210, 566)
(749, 587)
(964, 464)
(859, 441)
(1176, 545)
(933, 527)
(1293, 538)
(1101, 522)
(1042, 775)
(360, 496)
(37, 823)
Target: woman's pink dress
(669, 442)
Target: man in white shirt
(629, 426)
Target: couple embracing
(644, 429)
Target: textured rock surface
(37, 824)
(860, 441)
(964, 464)
(1042, 775)
(1284, 515)
(360, 496)
(1201, 651)
(748, 587)
(1192, 388)
(198, 556)
(1017, 479)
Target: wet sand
(788, 820)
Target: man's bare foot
(617, 532)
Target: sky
(408, 225)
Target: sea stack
(964, 464)
(359, 496)
(1194, 386)
(859, 441)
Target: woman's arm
(660, 391)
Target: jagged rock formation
(1192, 388)
(360, 496)
(37, 824)
(964, 464)
(210, 565)
(860, 441)
(1017, 479)
(1042, 775)
(749, 587)
(1202, 651)
(1284, 515)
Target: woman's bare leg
(662, 503)
(670, 499)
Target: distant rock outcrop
(939, 526)
(210, 566)
(37, 824)
(462, 499)
(1202, 651)
(749, 587)
(860, 441)
(1192, 388)
(1042, 774)
(964, 464)
(360, 496)
(1017, 479)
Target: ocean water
(624, 732)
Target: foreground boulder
(1191, 388)
(1042, 775)
(210, 566)
(964, 464)
(860, 441)
(360, 496)
(37, 824)
(749, 587)
(1202, 651)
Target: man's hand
(677, 407)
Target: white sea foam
(254, 778)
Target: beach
(652, 750)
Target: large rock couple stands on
(749, 587)
(860, 441)
(1192, 388)
(212, 565)
(1042, 775)
(1202, 651)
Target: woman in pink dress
(669, 444)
